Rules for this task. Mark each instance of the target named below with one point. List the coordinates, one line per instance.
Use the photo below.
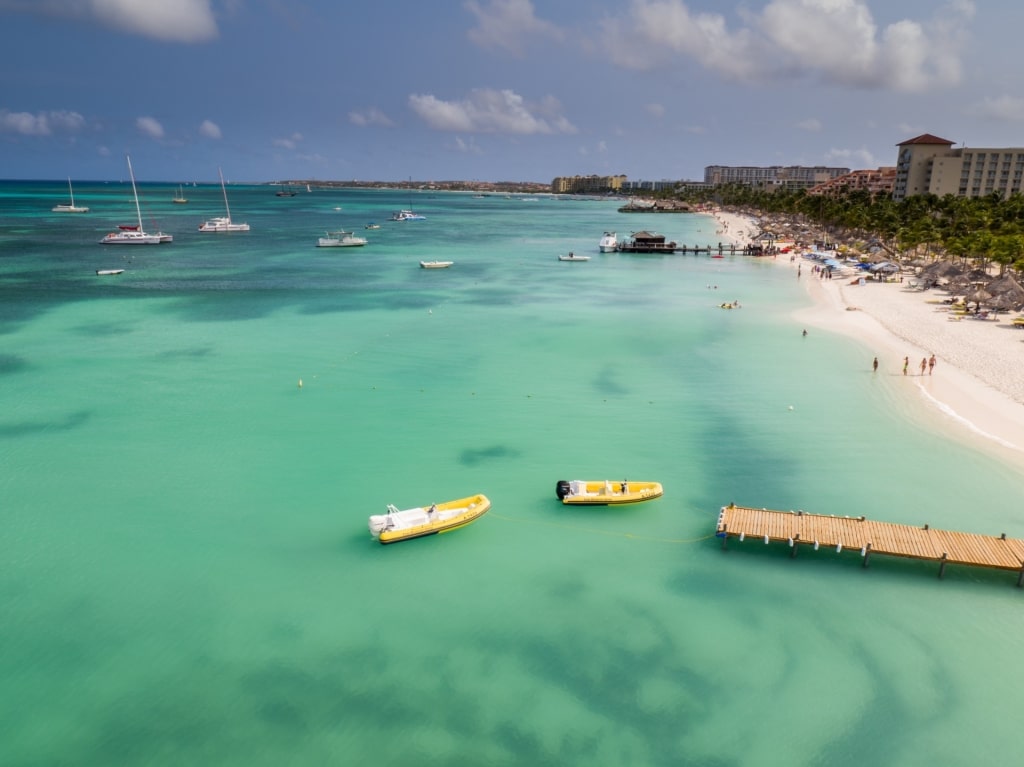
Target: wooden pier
(798, 528)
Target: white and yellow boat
(400, 525)
(582, 492)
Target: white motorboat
(104, 272)
(223, 223)
(436, 264)
(406, 215)
(609, 243)
(133, 234)
(72, 208)
(573, 257)
(341, 239)
(371, 225)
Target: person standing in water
(906, 364)
(931, 364)
(874, 365)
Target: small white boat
(181, 199)
(370, 225)
(609, 243)
(223, 223)
(573, 257)
(436, 264)
(72, 208)
(406, 215)
(104, 272)
(399, 525)
(341, 239)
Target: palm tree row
(984, 230)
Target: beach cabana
(884, 267)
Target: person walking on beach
(906, 364)
(874, 366)
(924, 364)
(931, 364)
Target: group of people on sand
(927, 363)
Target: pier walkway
(800, 528)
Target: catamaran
(72, 208)
(133, 234)
(223, 223)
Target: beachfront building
(928, 164)
(772, 177)
(879, 180)
(587, 184)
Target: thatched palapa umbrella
(978, 296)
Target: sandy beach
(975, 391)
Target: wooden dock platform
(799, 528)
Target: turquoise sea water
(186, 575)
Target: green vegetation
(983, 230)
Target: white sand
(976, 391)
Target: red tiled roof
(927, 138)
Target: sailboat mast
(71, 192)
(225, 191)
(135, 192)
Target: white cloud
(811, 125)
(150, 126)
(103, 151)
(655, 110)
(291, 142)
(834, 41)
(1006, 108)
(492, 111)
(468, 146)
(851, 158)
(371, 116)
(40, 123)
(508, 25)
(180, 21)
(209, 129)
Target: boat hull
(579, 492)
(435, 264)
(419, 522)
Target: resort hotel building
(928, 164)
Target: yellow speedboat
(400, 525)
(605, 492)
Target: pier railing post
(725, 535)
(867, 554)
(942, 565)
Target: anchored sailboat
(72, 208)
(133, 234)
(223, 223)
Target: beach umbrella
(941, 269)
(1005, 285)
(978, 296)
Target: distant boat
(133, 234)
(609, 243)
(72, 208)
(341, 239)
(308, 189)
(104, 272)
(435, 264)
(223, 223)
(286, 191)
(406, 215)
(180, 199)
(372, 225)
(573, 257)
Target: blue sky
(495, 89)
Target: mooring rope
(598, 531)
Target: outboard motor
(562, 488)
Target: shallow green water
(186, 571)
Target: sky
(495, 90)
